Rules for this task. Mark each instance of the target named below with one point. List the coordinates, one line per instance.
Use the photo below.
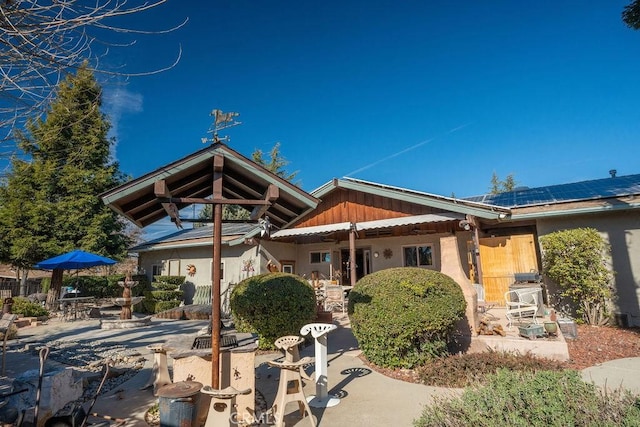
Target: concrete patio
(551, 347)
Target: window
(156, 270)
(288, 266)
(221, 270)
(418, 256)
(319, 257)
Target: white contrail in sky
(413, 147)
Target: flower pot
(551, 328)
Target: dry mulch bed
(598, 344)
(593, 345)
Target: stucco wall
(622, 231)
(377, 245)
(233, 258)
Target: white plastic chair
(334, 298)
(521, 303)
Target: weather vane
(221, 121)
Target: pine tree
(49, 202)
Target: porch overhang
(409, 220)
(308, 231)
(367, 225)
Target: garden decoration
(128, 283)
(319, 332)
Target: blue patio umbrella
(74, 260)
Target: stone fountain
(126, 301)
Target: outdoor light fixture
(376, 254)
(465, 225)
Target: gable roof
(460, 206)
(563, 193)
(199, 236)
(192, 177)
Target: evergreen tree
(276, 163)
(631, 15)
(498, 186)
(49, 202)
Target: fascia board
(578, 211)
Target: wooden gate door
(500, 258)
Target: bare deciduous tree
(42, 40)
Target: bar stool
(290, 375)
(289, 345)
(223, 406)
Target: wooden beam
(161, 190)
(271, 195)
(214, 201)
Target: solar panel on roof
(584, 190)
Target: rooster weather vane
(221, 120)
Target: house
(349, 228)
(610, 205)
(188, 252)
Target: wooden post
(218, 162)
(352, 255)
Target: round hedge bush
(272, 305)
(403, 317)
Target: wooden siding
(501, 257)
(355, 206)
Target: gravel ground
(88, 359)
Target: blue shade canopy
(74, 260)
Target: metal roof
(573, 192)
(192, 177)
(367, 225)
(408, 220)
(229, 230)
(316, 229)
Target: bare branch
(43, 40)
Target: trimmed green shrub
(165, 305)
(171, 280)
(162, 295)
(474, 368)
(272, 305)
(27, 308)
(404, 317)
(525, 399)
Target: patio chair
(483, 305)
(334, 298)
(521, 303)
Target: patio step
(24, 322)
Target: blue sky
(430, 95)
